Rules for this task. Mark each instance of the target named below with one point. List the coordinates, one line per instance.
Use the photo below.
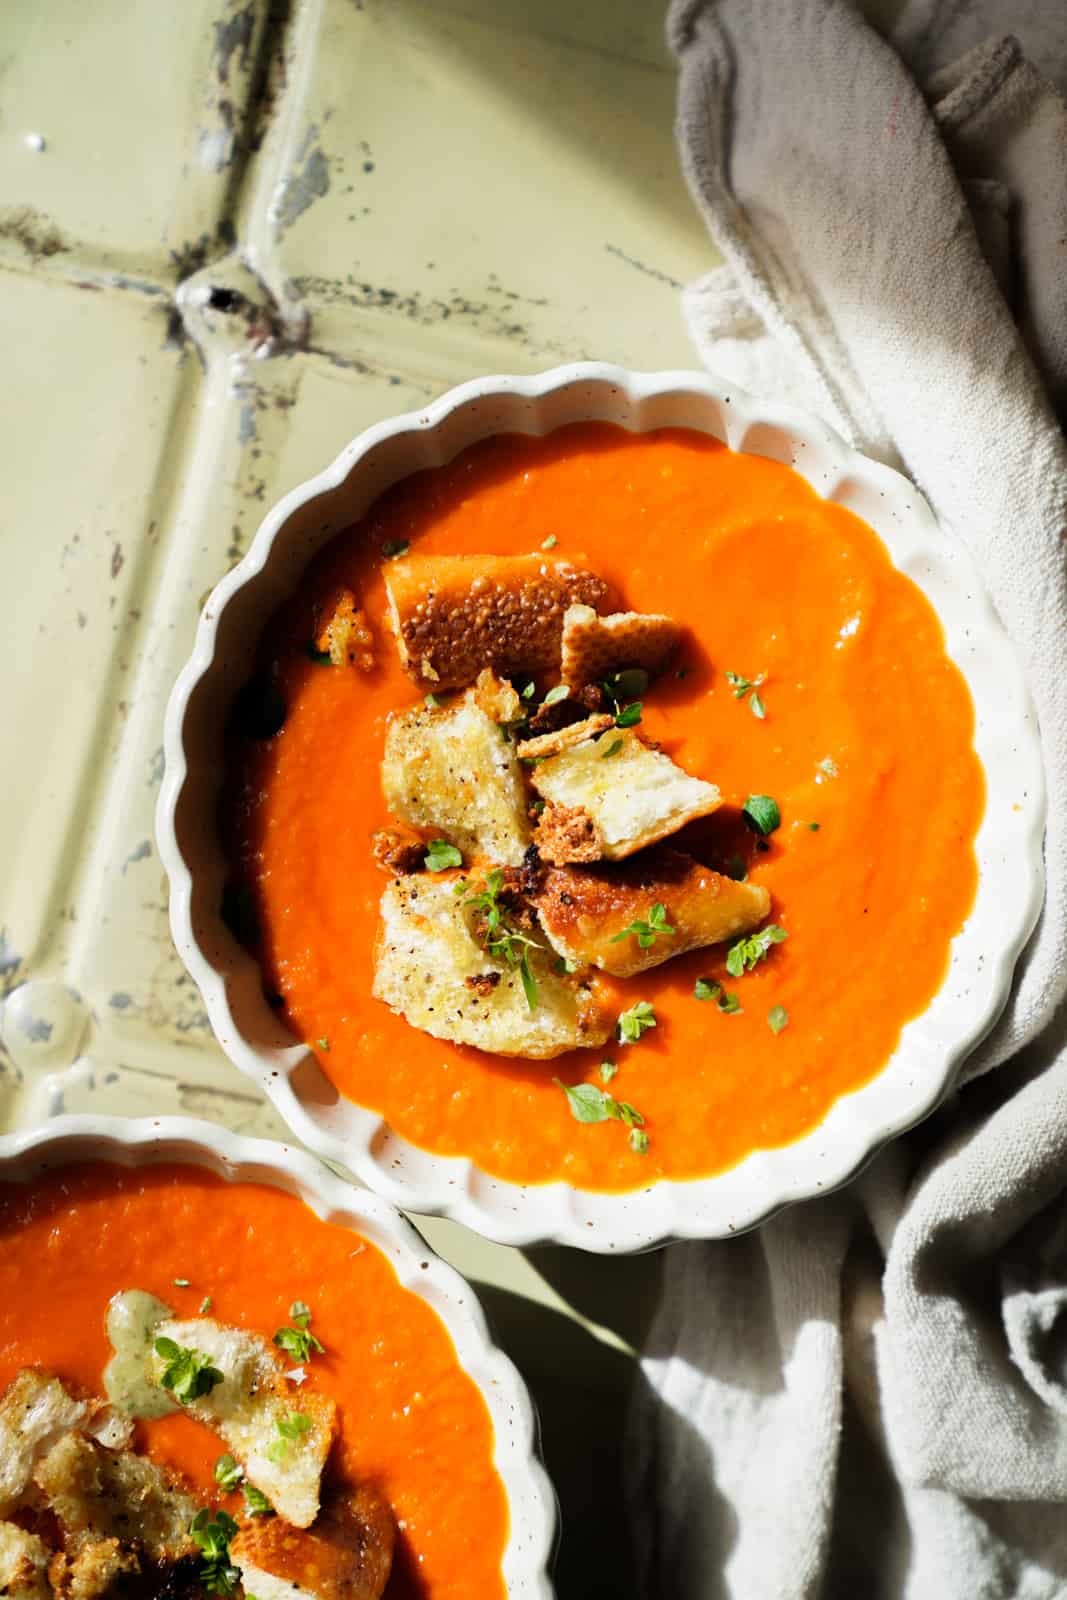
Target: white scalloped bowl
(147, 1142)
(1009, 842)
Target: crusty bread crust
(592, 647)
(567, 834)
(346, 1555)
(583, 909)
(454, 615)
(635, 795)
(560, 739)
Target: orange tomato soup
(866, 745)
(411, 1421)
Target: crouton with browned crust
(585, 912)
(398, 850)
(592, 647)
(346, 1555)
(566, 834)
(23, 1564)
(454, 615)
(560, 739)
(95, 1494)
(345, 636)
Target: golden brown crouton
(108, 1494)
(95, 1569)
(451, 769)
(428, 948)
(496, 697)
(567, 834)
(554, 743)
(346, 636)
(23, 1564)
(454, 615)
(346, 1555)
(592, 647)
(635, 795)
(584, 909)
(35, 1412)
(281, 1442)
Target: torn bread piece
(592, 647)
(104, 1569)
(97, 1495)
(35, 1412)
(347, 1555)
(427, 950)
(24, 1562)
(451, 768)
(280, 1440)
(634, 795)
(345, 635)
(454, 615)
(560, 739)
(566, 834)
(583, 910)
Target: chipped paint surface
(329, 212)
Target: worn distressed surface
(231, 236)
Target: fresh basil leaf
(761, 813)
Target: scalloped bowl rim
(932, 1046)
(144, 1141)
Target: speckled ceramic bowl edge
(150, 1141)
(932, 1046)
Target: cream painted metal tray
(232, 234)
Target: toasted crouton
(634, 795)
(109, 1494)
(560, 739)
(398, 850)
(252, 1410)
(497, 697)
(565, 834)
(347, 1555)
(592, 646)
(35, 1411)
(451, 768)
(95, 1569)
(427, 950)
(23, 1564)
(454, 615)
(584, 909)
(345, 635)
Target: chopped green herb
(589, 1103)
(228, 1473)
(633, 1023)
(500, 936)
(256, 1505)
(554, 696)
(298, 1343)
(395, 547)
(612, 750)
(630, 715)
(324, 1045)
(187, 1374)
(212, 1536)
(205, 1305)
(431, 702)
(537, 805)
(441, 855)
(736, 869)
(607, 1070)
(708, 989)
(639, 1141)
(300, 1314)
(827, 767)
(777, 1018)
(761, 813)
(646, 931)
(629, 684)
(813, 827)
(288, 1429)
(750, 951)
(181, 1283)
(549, 543)
(527, 690)
(743, 686)
(564, 964)
(321, 658)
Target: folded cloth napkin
(869, 1395)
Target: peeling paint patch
(233, 34)
(301, 189)
(143, 851)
